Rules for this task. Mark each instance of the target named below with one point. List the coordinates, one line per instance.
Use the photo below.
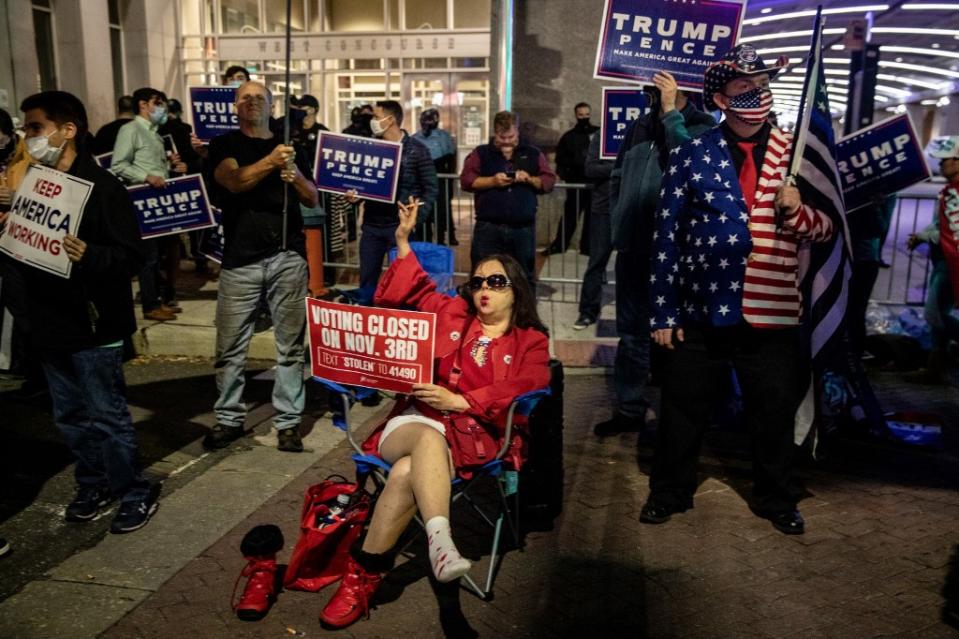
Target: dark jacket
(95, 306)
(597, 173)
(514, 205)
(106, 136)
(417, 179)
(638, 172)
(571, 153)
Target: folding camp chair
(505, 479)
(437, 261)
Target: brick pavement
(881, 521)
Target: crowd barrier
(903, 282)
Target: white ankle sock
(447, 562)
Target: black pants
(863, 278)
(773, 379)
(577, 200)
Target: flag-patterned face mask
(752, 107)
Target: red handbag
(323, 548)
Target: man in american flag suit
(724, 291)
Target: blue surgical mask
(158, 115)
(40, 150)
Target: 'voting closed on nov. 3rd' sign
(380, 348)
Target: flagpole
(286, 117)
(802, 122)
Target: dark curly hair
(524, 314)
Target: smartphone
(511, 175)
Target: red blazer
(520, 359)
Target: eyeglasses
(497, 282)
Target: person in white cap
(943, 238)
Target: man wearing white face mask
(78, 325)
(724, 291)
(417, 180)
(139, 157)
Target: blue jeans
(283, 277)
(938, 308)
(632, 323)
(375, 243)
(518, 241)
(90, 409)
(600, 249)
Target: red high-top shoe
(352, 598)
(260, 591)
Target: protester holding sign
(255, 170)
(139, 157)
(634, 195)
(417, 179)
(506, 176)
(78, 324)
(490, 347)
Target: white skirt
(408, 416)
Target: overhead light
(812, 12)
(930, 6)
(898, 59)
(910, 81)
(943, 101)
(913, 31)
(935, 45)
(893, 91)
(928, 102)
(792, 34)
(919, 68)
(901, 108)
(766, 10)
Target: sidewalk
(881, 527)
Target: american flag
(824, 267)
(756, 109)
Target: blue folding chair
(505, 479)
(437, 261)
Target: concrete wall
(83, 53)
(18, 50)
(152, 47)
(553, 55)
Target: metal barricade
(906, 278)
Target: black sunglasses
(497, 282)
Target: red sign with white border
(381, 348)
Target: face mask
(40, 150)
(234, 83)
(752, 107)
(582, 122)
(428, 125)
(377, 127)
(158, 115)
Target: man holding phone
(505, 176)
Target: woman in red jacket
(490, 347)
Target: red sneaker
(352, 598)
(259, 593)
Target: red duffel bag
(326, 533)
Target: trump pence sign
(641, 37)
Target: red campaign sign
(378, 348)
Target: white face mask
(40, 150)
(377, 127)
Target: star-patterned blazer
(716, 263)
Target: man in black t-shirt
(252, 168)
